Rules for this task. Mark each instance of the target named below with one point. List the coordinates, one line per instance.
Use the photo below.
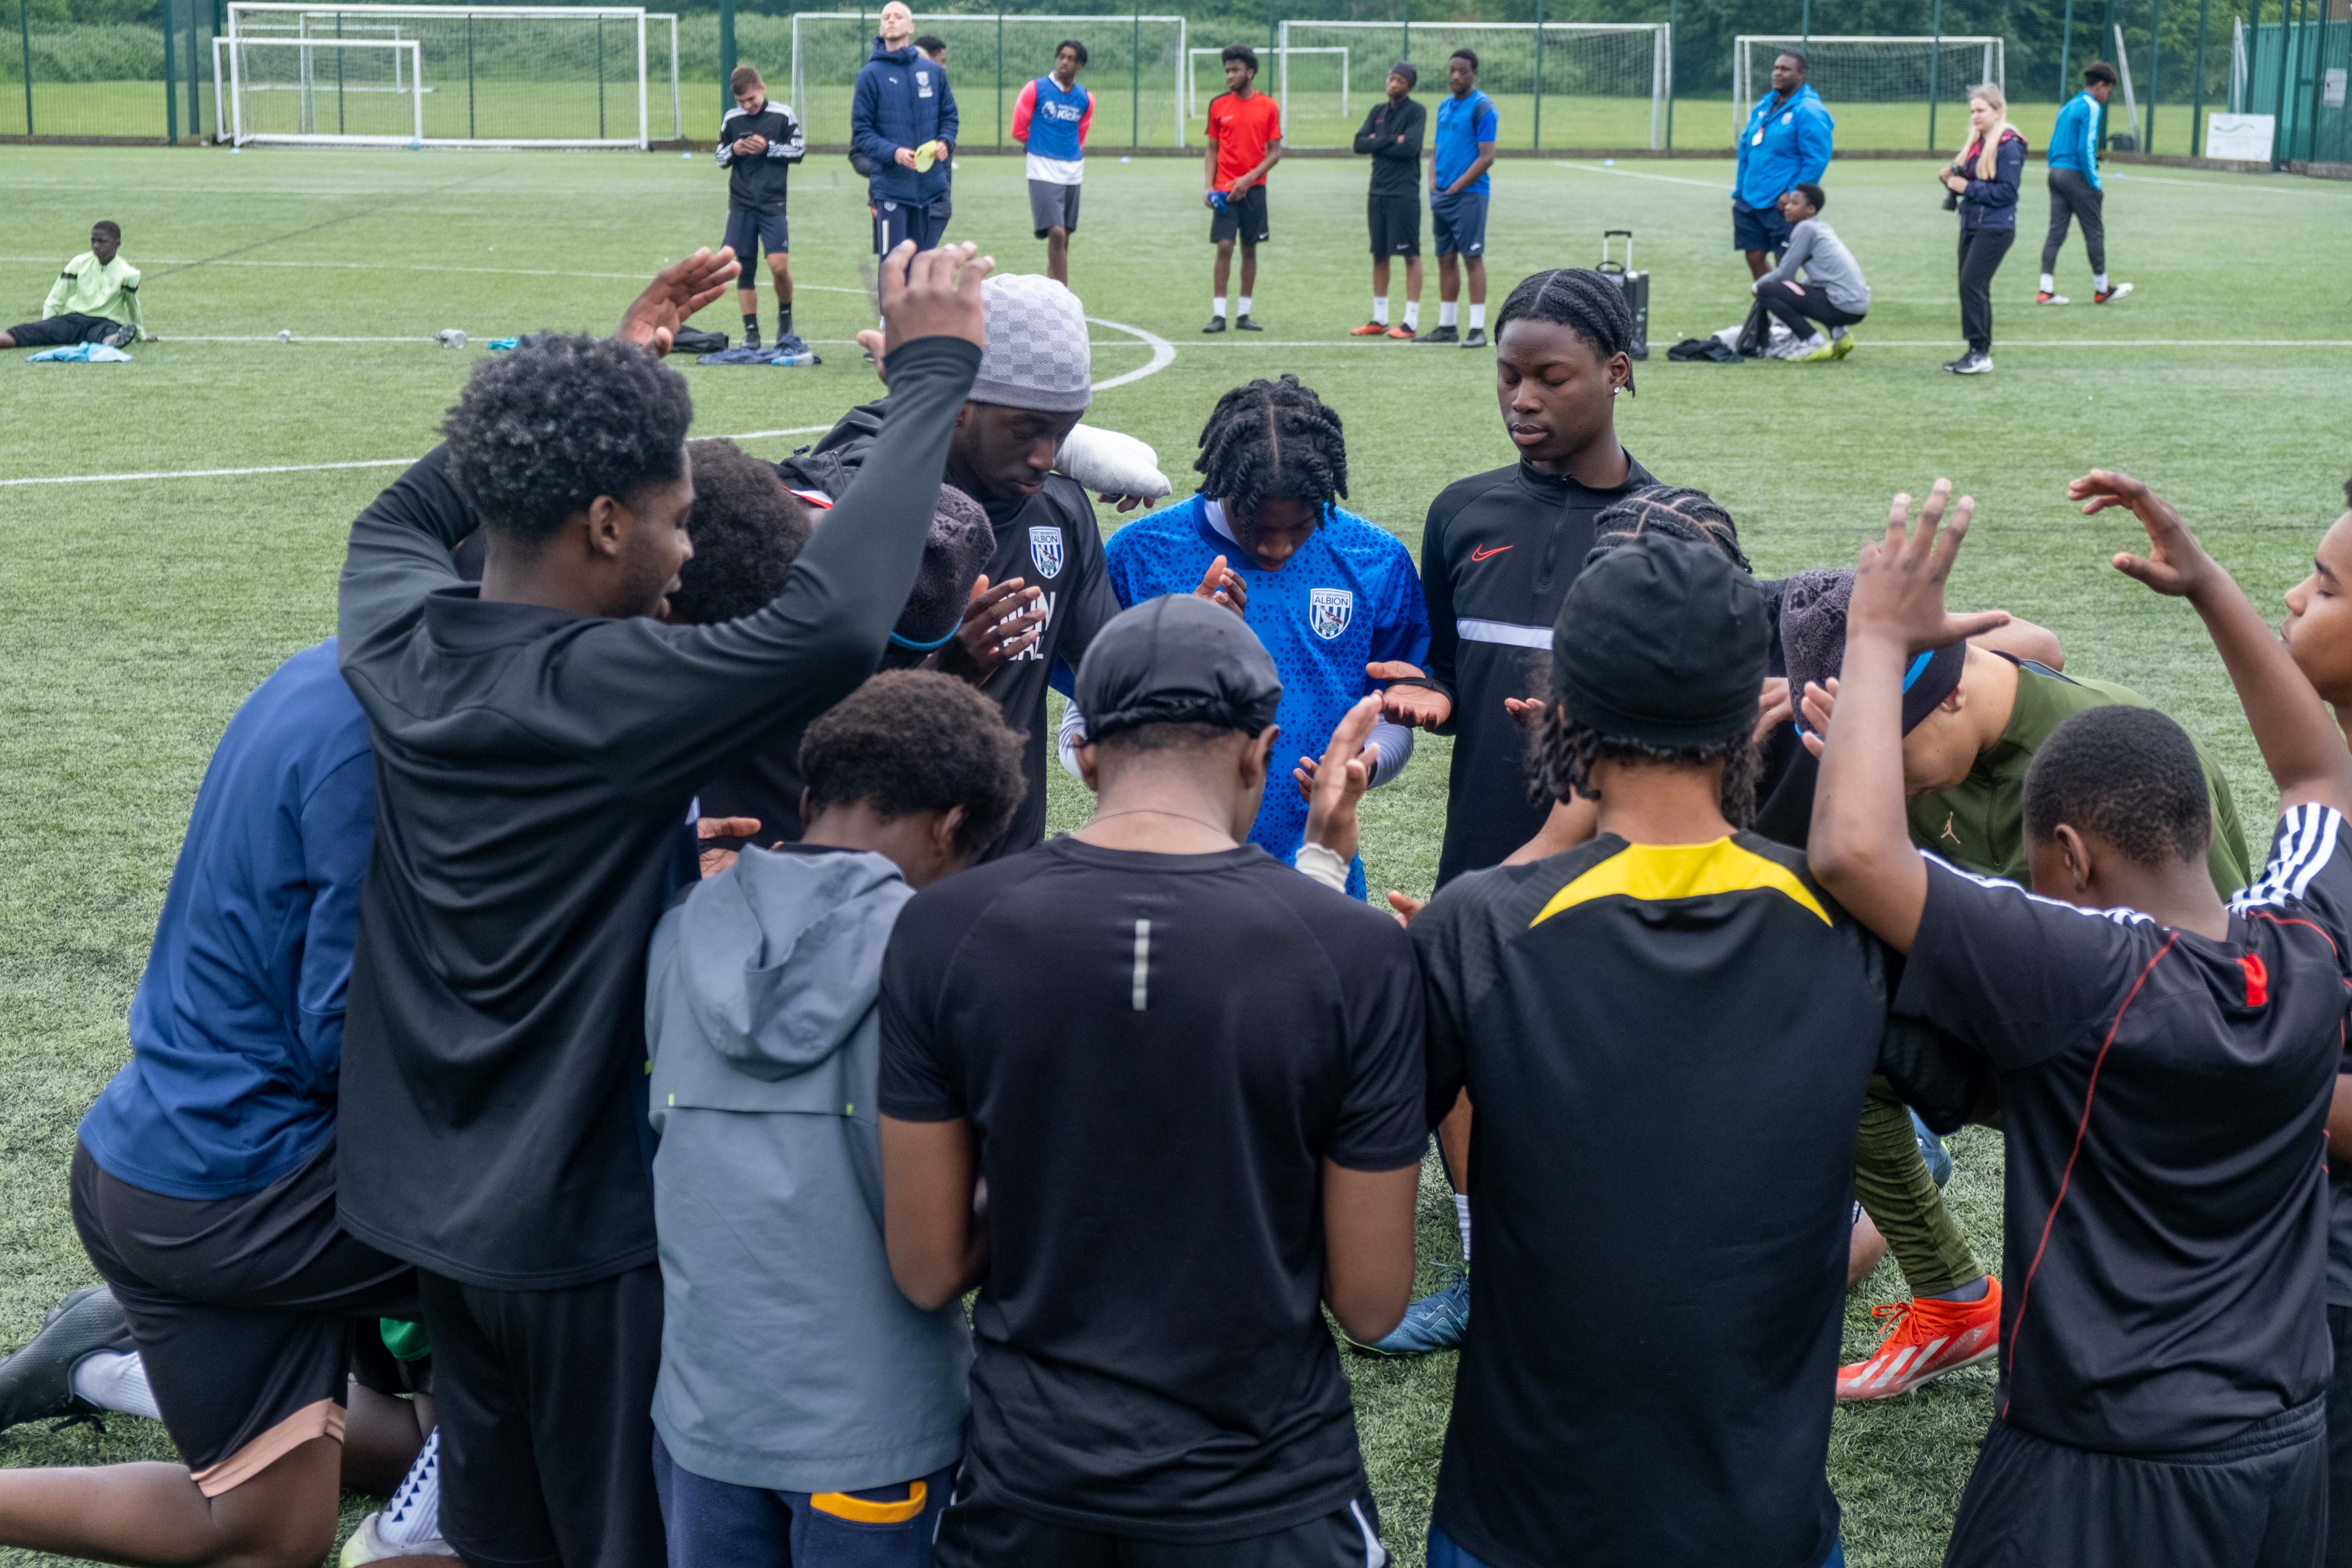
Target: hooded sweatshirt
(790, 1360)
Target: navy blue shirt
(236, 1031)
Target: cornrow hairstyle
(1586, 302)
(1671, 509)
(1272, 439)
(1566, 751)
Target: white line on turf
(1639, 174)
(404, 267)
(1164, 354)
(2309, 188)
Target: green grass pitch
(137, 612)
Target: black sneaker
(1439, 335)
(750, 334)
(120, 336)
(1476, 339)
(1216, 324)
(1244, 324)
(36, 1383)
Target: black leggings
(1981, 250)
(2072, 196)
(1801, 306)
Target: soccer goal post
(488, 76)
(366, 93)
(1884, 91)
(1204, 74)
(1134, 69)
(1555, 84)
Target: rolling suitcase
(1636, 286)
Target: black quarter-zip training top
(1497, 554)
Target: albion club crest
(1046, 550)
(1329, 610)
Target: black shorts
(2259, 1501)
(73, 327)
(545, 1401)
(1395, 223)
(2339, 1441)
(1243, 220)
(975, 1534)
(751, 233)
(246, 1309)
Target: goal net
(1560, 84)
(504, 76)
(1135, 69)
(1205, 75)
(1882, 92)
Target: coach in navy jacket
(902, 100)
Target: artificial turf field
(137, 610)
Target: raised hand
(1000, 623)
(1898, 582)
(1414, 707)
(1221, 584)
(933, 294)
(1334, 787)
(2176, 564)
(675, 293)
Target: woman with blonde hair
(1983, 182)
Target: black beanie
(1177, 659)
(1662, 642)
(1812, 645)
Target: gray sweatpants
(2072, 196)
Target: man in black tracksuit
(1391, 136)
(759, 141)
(538, 739)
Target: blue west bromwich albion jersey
(1350, 598)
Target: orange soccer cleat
(1926, 1340)
(1369, 329)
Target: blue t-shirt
(1350, 598)
(236, 1030)
(1462, 124)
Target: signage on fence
(2332, 94)
(2245, 137)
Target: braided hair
(1586, 302)
(1671, 509)
(1272, 439)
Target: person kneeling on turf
(804, 1406)
(2165, 1066)
(1834, 294)
(94, 300)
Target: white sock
(1411, 314)
(1216, 304)
(2099, 282)
(2048, 284)
(1446, 312)
(1461, 1220)
(1244, 303)
(1381, 309)
(114, 1380)
(413, 1515)
(1477, 318)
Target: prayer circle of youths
(567, 626)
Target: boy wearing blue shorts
(757, 140)
(1459, 157)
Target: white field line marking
(1638, 175)
(404, 267)
(2229, 182)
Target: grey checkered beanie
(1036, 356)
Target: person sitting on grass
(1181, 1168)
(1327, 593)
(1677, 983)
(1833, 294)
(94, 300)
(2165, 1066)
(799, 1407)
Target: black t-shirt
(1668, 1047)
(1158, 1053)
(1497, 554)
(2165, 1098)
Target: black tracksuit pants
(1981, 250)
(1801, 306)
(2072, 197)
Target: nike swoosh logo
(1489, 550)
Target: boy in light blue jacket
(806, 1412)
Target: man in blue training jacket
(902, 117)
(2074, 189)
(1787, 144)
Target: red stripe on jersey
(2083, 1126)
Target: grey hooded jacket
(790, 1360)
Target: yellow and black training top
(1667, 1047)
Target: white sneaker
(1972, 364)
(367, 1544)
